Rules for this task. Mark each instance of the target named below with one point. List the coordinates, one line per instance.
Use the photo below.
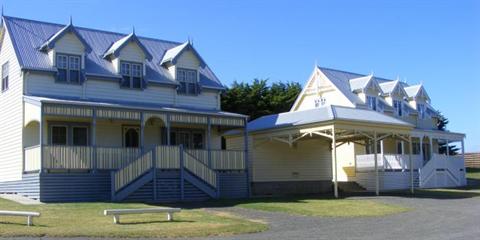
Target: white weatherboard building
(91, 115)
(346, 127)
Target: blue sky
(436, 43)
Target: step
(133, 186)
(209, 190)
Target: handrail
(199, 169)
(132, 171)
(220, 159)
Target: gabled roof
(172, 54)
(390, 87)
(28, 35)
(361, 83)
(322, 114)
(341, 80)
(50, 43)
(415, 91)
(117, 46)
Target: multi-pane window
(68, 67)
(188, 138)
(5, 70)
(80, 136)
(398, 106)
(59, 135)
(372, 103)
(131, 74)
(66, 134)
(421, 111)
(369, 147)
(188, 81)
(400, 147)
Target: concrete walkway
(20, 199)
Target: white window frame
(372, 102)
(187, 81)
(401, 150)
(421, 109)
(69, 58)
(398, 106)
(130, 73)
(5, 76)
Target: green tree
(259, 98)
(442, 126)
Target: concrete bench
(117, 212)
(29, 215)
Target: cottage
(91, 115)
(347, 128)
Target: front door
(131, 136)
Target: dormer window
(421, 111)
(398, 106)
(372, 103)
(68, 67)
(187, 78)
(131, 75)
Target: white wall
(11, 103)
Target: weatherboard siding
(69, 44)
(11, 103)
(309, 160)
(132, 52)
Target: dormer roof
(28, 35)
(416, 91)
(172, 54)
(390, 87)
(117, 46)
(50, 42)
(361, 83)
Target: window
(80, 136)
(132, 75)
(68, 67)
(421, 111)
(320, 101)
(369, 147)
(131, 137)
(400, 147)
(5, 70)
(189, 138)
(416, 148)
(188, 81)
(398, 106)
(59, 135)
(372, 103)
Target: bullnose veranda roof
(322, 114)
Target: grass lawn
(87, 220)
(324, 207)
(473, 173)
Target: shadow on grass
(152, 222)
(21, 224)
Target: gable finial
(2, 10)
(71, 20)
(133, 29)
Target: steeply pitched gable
(117, 46)
(392, 87)
(416, 91)
(50, 43)
(172, 55)
(28, 35)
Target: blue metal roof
(29, 35)
(322, 114)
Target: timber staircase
(142, 171)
